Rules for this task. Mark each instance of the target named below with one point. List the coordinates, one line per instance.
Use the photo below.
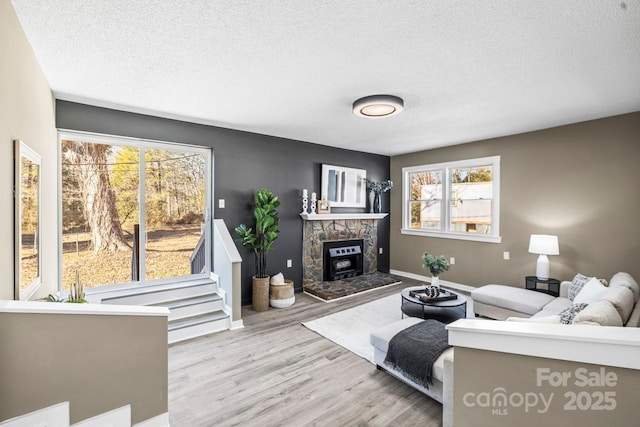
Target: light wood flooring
(276, 372)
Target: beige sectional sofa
(616, 306)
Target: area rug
(351, 328)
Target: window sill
(455, 236)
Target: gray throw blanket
(415, 349)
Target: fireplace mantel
(330, 217)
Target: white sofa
(615, 307)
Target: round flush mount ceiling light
(378, 106)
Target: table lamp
(544, 245)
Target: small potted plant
(260, 242)
(436, 264)
(76, 293)
(377, 188)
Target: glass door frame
(142, 145)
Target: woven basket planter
(281, 296)
(260, 295)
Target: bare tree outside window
(426, 200)
(100, 196)
(457, 199)
(175, 201)
(89, 163)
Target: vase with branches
(377, 188)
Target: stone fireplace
(319, 229)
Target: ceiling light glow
(378, 106)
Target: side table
(553, 285)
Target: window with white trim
(134, 212)
(456, 200)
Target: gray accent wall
(580, 182)
(243, 163)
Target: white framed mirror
(27, 203)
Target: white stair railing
(227, 264)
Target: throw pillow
(590, 292)
(622, 299)
(576, 285)
(567, 315)
(601, 313)
(625, 279)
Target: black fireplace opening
(342, 259)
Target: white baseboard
(236, 324)
(161, 420)
(445, 283)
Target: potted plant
(377, 188)
(76, 293)
(260, 242)
(436, 264)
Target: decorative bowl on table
(432, 291)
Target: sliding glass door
(133, 211)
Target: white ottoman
(500, 301)
(442, 373)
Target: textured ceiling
(467, 69)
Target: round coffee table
(445, 311)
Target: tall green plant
(266, 230)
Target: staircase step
(197, 326)
(154, 295)
(53, 416)
(120, 417)
(193, 306)
(185, 302)
(196, 320)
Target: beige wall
(581, 182)
(95, 362)
(26, 113)
(540, 392)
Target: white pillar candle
(304, 193)
(313, 196)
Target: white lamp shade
(544, 244)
